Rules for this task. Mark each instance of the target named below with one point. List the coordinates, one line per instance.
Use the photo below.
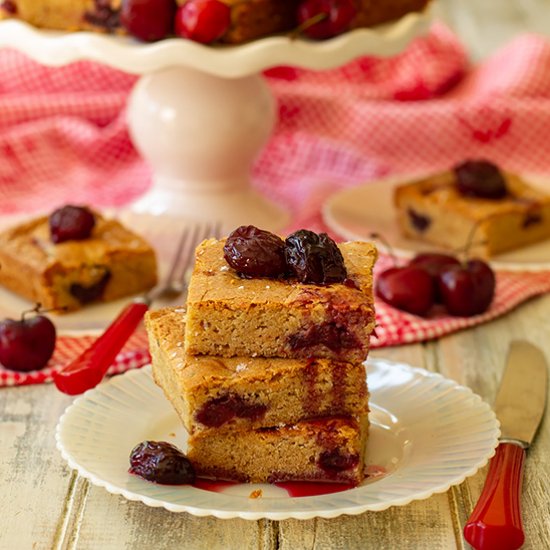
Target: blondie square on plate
(497, 210)
(326, 449)
(232, 316)
(111, 263)
(245, 392)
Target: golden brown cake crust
(244, 392)
(231, 316)
(446, 218)
(116, 258)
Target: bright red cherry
(408, 288)
(333, 16)
(26, 344)
(467, 289)
(434, 263)
(203, 21)
(71, 223)
(148, 20)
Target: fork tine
(200, 233)
(184, 237)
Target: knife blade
(495, 523)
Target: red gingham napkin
(396, 327)
(63, 135)
(134, 355)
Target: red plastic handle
(495, 523)
(89, 368)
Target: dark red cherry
(161, 462)
(480, 178)
(434, 263)
(467, 289)
(71, 223)
(334, 17)
(148, 20)
(26, 344)
(408, 288)
(314, 258)
(203, 21)
(253, 252)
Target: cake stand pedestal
(200, 115)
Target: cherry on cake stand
(200, 115)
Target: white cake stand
(200, 115)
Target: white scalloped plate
(127, 54)
(358, 212)
(427, 433)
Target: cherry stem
(297, 32)
(465, 250)
(387, 246)
(38, 309)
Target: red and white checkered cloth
(63, 136)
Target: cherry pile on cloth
(63, 137)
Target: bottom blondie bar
(327, 450)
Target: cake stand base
(201, 133)
(230, 208)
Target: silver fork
(89, 368)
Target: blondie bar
(435, 210)
(228, 315)
(328, 450)
(113, 262)
(244, 392)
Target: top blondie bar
(230, 315)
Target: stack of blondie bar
(267, 375)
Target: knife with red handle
(495, 523)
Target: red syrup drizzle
(298, 489)
(295, 489)
(213, 485)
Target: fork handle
(89, 368)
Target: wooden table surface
(44, 505)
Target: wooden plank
(35, 481)
(476, 358)
(111, 522)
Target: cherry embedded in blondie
(328, 17)
(253, 252)
(71, 223)
(203, 21)
(161, 462)
(481, 179)
(419, 221)
(148, 20)
(90, 293)
(314, 258)
(335, 461)
(220, 410)
(26, 344)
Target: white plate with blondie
(427, 433)
(358, 212)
